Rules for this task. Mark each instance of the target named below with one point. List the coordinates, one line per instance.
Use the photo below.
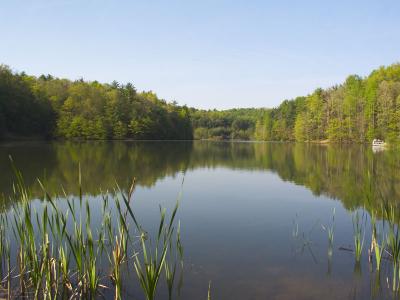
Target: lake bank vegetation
(359, 110)
(60, 108)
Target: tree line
(235, 124)
(59, 108)
(358, 110)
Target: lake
(253, 216)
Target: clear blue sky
(208, 53)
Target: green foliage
(263, 127)
(359, 110)
(300, 126)
(23, 111)
(61, 253)
(358, 228)
(279, 124)
(238, 124)
(52, 107)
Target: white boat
(378, 142)
(378, 145)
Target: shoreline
(43, 139)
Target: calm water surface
(251, 213)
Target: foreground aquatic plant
(149, 269)
(5, 258)
(376, 248)
(358, 231)
(393, 243)
(331, 232)
(61, 256)
(304, 238)
(330, 229)
(118, 257)
(295, 227)
(170, 265)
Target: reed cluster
(330, 230)
(385, 241)
(393, 243)
(61, 255)
(359, 234)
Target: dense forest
(237, 124)
(358, 110)
(52, 107)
